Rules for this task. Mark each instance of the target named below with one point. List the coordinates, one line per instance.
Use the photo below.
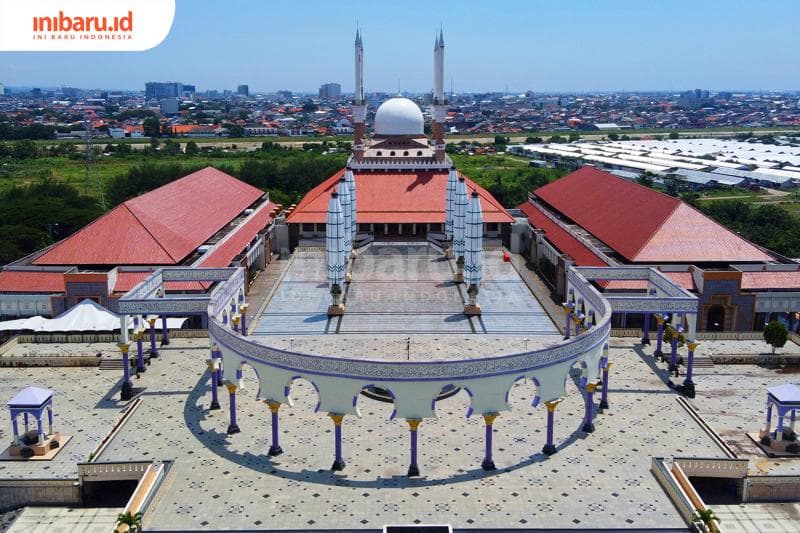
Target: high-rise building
(169, 106)
(286, 95)
(156, 90)
(2, 89)
(189, 90)
(243, 90)
(330, 91)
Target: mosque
(400, 175)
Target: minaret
(439, 103)
(359, 104)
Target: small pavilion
(33, 402)
(786, 400)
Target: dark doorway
(718, 490)
(108, 493)
(715, 319)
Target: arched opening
(405, 153)
(453, 401)
(715, 318)
(303, 394)
(377, 401)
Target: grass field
(515, 137)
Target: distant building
(169, 106)
(243, 90)
(329, 91)
(286, 95)
(189, 90)
(156, 90)
(694, 99)
(2, 89)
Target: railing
(112, 471)
(771, 488)
(673, 489)
(713, 467)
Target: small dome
(399, 116)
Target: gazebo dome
(399, 116)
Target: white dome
(399, 116)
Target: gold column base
(336, 310)
(472, 310)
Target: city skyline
(527, 46)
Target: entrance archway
(715, 318)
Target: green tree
(556, 139)
(24, 150)
(674, 135)
(171, 147)
(191, 148)
(613, 136)
(234, 130)
(533, 140)
(646, 179)
(133, 521)
(152, 127)
(574, 136)
(501, 139)
(776, 335)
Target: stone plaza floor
(405, 290)
(220, 481)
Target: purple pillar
(275, 448)
(15, 428)
(244, 321)
(338, 461)
(50, 420)
(673, 357)
(413, 425)
(688, 385)
(769, 415)
(235, 324)
(127, 386)
(233, 427)
(39, 428)
(604, 395)
(488, 461)
(139, 354)
(569, 326)
(646, 333)
(588, 413)
(660, 336)
(214, 394)
(215, 354)
(164, 331)
(153, 349)
(549, 447)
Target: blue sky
(577, 45)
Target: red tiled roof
(771, 280)
(684, 279)
(641, 224)
(31, 281)
(560, 238)
(224, 254)
(160, 227)
(398, 197)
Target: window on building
(419, 153)
(391, 153)
(405, 153)
(379, 153)
(308, 227)
(491, 226)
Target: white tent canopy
(86, 316)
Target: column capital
(211, 364)
(243, 308)
(551, 406)
(488, 418)
(231, 387)
(273, 406)
(692, 345)
(152, 322)
(235, 320)
(124, 347)
(138, 335)
(659, 319)
(413, 423)
(590, 387)
(337, 418)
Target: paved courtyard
(402, 289)
(221, 481)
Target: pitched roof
(771, 280)
(30, 396)
(160, 227)
(641, 224)
(223, 254)
(560, 237)
(397, 197)
(31, 281)
(128, 280)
